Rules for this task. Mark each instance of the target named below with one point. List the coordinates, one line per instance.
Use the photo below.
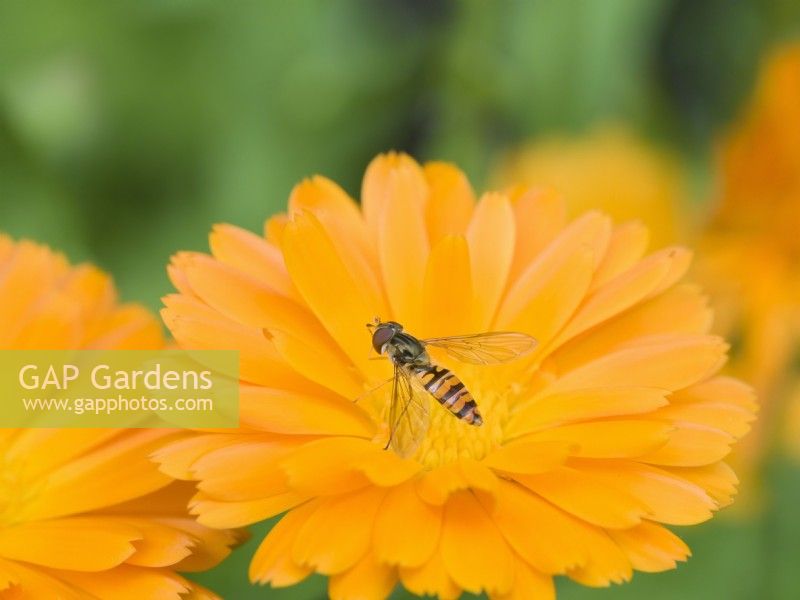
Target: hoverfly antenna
(375, 322)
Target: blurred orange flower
(616, 425)
(759, 160)
(746, 261)
(84, 512)
(609, 169)
(752, 249)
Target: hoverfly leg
(372, 391)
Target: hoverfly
(415, 372)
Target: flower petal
(272, 562)
(691, 445)
(682, 309)
(528, 584)
(45, 449)
(388, 176)
(717, 479)
(223, 515)
(112, 474)
(579, 405)
(477, 475)
(19, 291)
(548, 292)
(56, 325)
(438, 484)
(126, 327)
(367, 580)
(211, 546)
(385, 469)
(447, 292)
(528, 456)
(669, 498)
(332, 540)
(669, 362)
(544, 536)
(431, 579)
(37, 583)
(341, 219)
(491, 237)
(259, 362)
(160, 545)
(450, 200)
(139, 583)
(733, 420)
(403, 249)
(341, 302)
(281, 411)
(626, 246)
(248, 301)
(720, 389)
(78, 544)
(586, 496)
(607, 562)
(252, 255)
(646, 279)
(273, 228)
(406, 528)
(540, 213)
(326, 368)
(651, 548)
(474, 552)
(176, 458)
(618, 438)
(324, 466)
(258, 473)
(337, 464)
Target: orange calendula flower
(751, 251)
(614, 426)
(84, 512)
(747, 278)
(760, 158)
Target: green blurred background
(127, 128)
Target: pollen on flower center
(446, 437)
(449, 438)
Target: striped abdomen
(451, 393)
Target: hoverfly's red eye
(382, 335)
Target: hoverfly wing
(407, 414)
(372, 391)
(488, 348)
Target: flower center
(449, 438)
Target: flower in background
(751, 250)
(615, 426)
(745, 261)
(759, 160)
(609, 169)
(84, 512)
